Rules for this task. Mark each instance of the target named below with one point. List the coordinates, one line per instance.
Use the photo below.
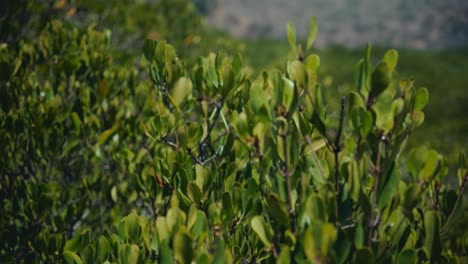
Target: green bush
(209, 163)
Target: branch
(337, 147)
(286, 173)
(171, 144)
(212, 125)
(372, 223)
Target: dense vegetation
(112, 157)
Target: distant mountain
(410, 23)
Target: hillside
(416, 24)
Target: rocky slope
(402, 23)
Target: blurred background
(431, 36)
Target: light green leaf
(257, 97)
(103, 249)
(129, 253)
(391, 58)
(182, 89)
(183, 249)
(313, 29)
(228, 80)
(73, 244)
(312, 63)
(285, 256)
(288, 93)
(107, 134)
(297, 73)
(71, 257)
(420, 99)
(291, 35)
(258, 227)
(418, 118)
(132, 227)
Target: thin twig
(173, 145)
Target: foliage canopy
(104, 163)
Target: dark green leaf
(278, 210)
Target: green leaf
(165, 253)
(412, 196)
(183, 249)
(418, 118)
(291, 36)
(389, 188)
(132, 228)
(237, 64)
(258, 227)
(103, 249)
(359, 235)
(407, 256)
(318, 240)
(367, 122)
(194, 133)
(356, 100)
(462, 168)
(129, 253)
(71, 257)
(297, 73)
(73, 244)
(354, 180)
(182, 89)
(363, 256)
(380, 79)
(219, 256)
(107, 134)
(228, 80)
(284, 256)
(312, 63)
(227, 212)
(288, 93)
(149, 49)
(257, 97)
(241, 123)
(312, 34)
(432, 245)
(318, 124)
(76, 121)
(391, 58)
(420, 99)
(194, 193)
(277, 209)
